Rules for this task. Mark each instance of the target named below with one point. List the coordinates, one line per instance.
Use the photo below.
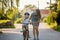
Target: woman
(35, 19)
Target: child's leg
(24, 35)
(28, 32)
(24, 32)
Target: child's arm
(29, 21)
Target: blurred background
(11, 12)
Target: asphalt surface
(44, 33)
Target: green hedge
(7, 26)
(57, 28)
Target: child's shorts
(25, 27)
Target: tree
(17, 3)
(53, 13)
(58, 18)
(11, 12)
(28, 8)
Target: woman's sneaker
(37, 38)
(34, 39)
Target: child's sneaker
(29, 37)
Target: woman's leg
(37, 32)
(34, 31)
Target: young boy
(25, 23)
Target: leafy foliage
(11, 12)
(17, 3)
(55, 15)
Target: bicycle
(25, 33)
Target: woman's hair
(38, 12)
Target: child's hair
(26, 13)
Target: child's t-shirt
(26, 22)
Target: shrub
(6, 24)
(49, 19)
(57, 28)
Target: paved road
(44, 33)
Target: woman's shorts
(35, 24)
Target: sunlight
(42, 3)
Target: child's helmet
(26, 13)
